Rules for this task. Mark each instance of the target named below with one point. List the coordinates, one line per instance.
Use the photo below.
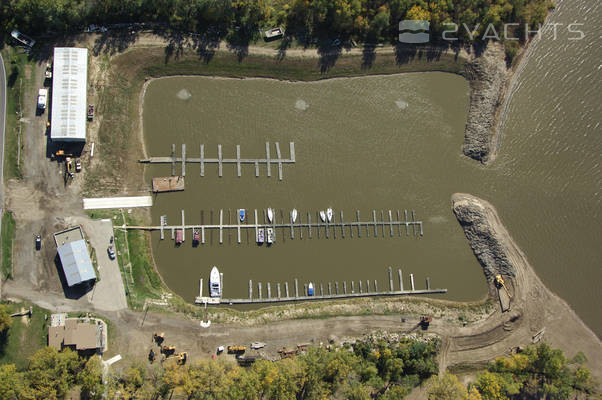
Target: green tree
(90, 378)
(5, 319)
(446, 387)
(11, 382)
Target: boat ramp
(268, 161)
(382, 224)
(336, 291)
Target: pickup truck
(42, 99)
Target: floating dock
(268, 161)
(168, 184)
(363, 291)
(284, 227)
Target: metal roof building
(76, 262)
(69, 83)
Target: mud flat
(534, 307)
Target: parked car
(111, 252)
(42, 99)
(38, 242)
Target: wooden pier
(284, 227)
(168, 184)
(268, 161)
(393, 291)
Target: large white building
(69, 83)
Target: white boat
(294, 215)
(215, 287)
(270, 237)
(260, 236)
(323, 215)
(241, 215)
(329, 214)
(270, 215)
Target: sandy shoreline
(534, 307)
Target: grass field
(17, 81)
(25, 336)
(8, 236)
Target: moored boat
(179, 237)
(270, 215)
(323, 215)
(310, 289)
(241, 214)
(260, 236)
(294, 215)
(215, 287)
(271, 238)
(329, 214)
(196, 237)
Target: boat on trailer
(329, 214)
(323, 215)
(241, 214)
(270, 215)
(294, 215)
(215, 287)
(260, 236)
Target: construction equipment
(499, 282)
(159, 337)
(236, 349)
(61, 153)
(182, 357)
(257, 345)
(168, 350)
(425, 321)
(288, 353)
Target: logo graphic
(414, 27)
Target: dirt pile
(485, 242)
(486, 75)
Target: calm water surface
(393, 143)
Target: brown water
(359, 147)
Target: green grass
(8, 236)
(17, 83)
(23, 340)
(145, 281)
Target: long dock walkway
(375, 227)
(220, 160)
(319, 293)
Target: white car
(42, 99)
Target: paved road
(2, 128)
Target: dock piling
(219, 160)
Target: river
(390, 142)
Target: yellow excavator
(499, 282)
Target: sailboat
(241, 214)
(270, 215)
(294, 215)
(323, 215)
(215, 287)
(329, 214)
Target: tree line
(308, 21)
